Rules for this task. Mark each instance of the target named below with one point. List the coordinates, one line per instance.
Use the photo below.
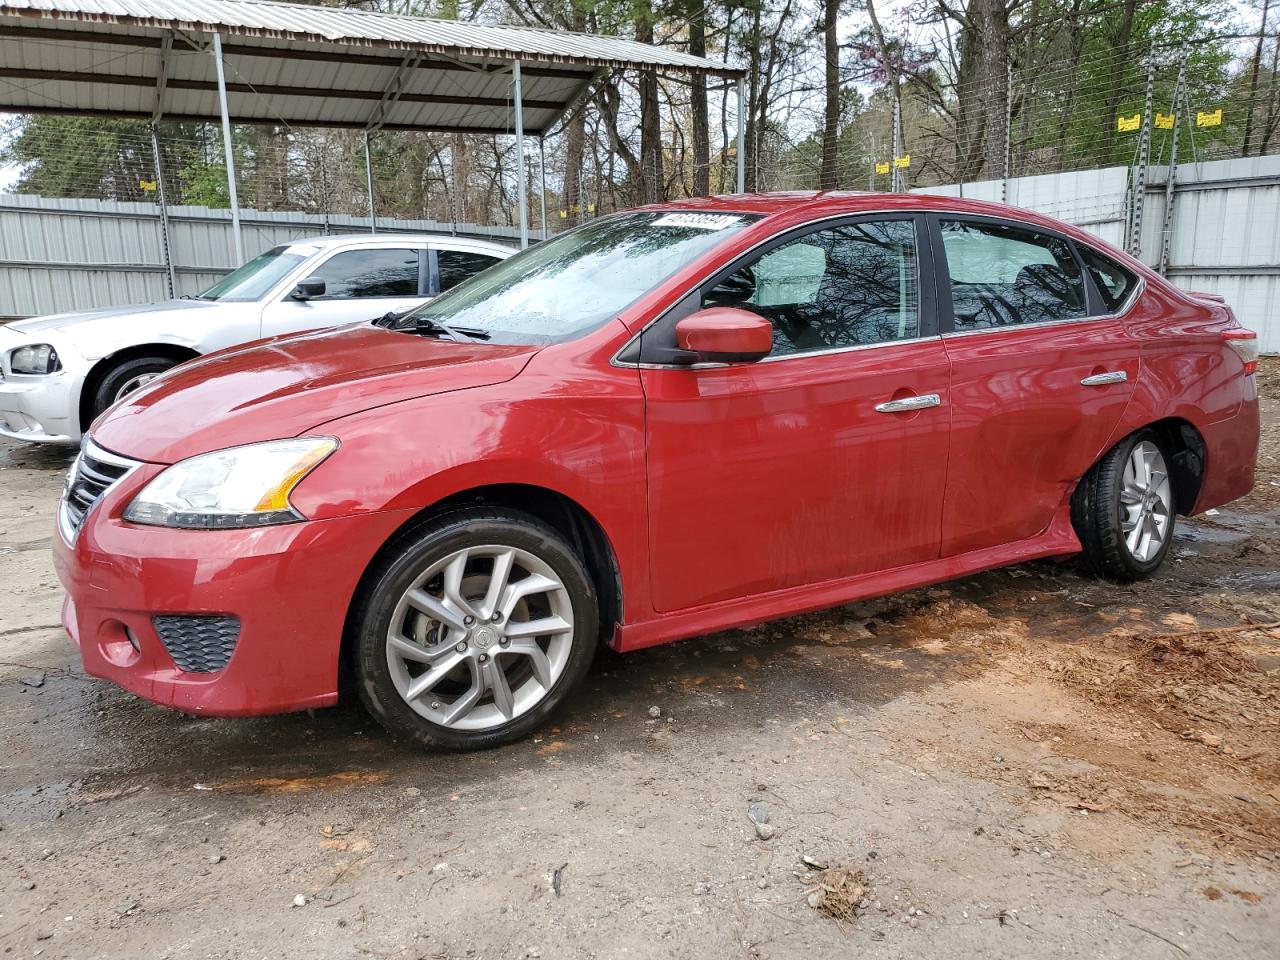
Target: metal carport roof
(302, 65)
(308, 66)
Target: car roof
(839, 201)
(357, 239)
(817, 204)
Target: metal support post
(742, 136)
(1171, 178)
(368, 179)
(1139, 179)
(165, 242)
(520, 171)
(542, 197)
(232, 193)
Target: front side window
(359, 274)
(1113, 281)
(577, 281)
(1006, 276)
(458, 265)
(256, 278)
(839, 287)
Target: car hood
(65, 321)
(289, 385)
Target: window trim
(928, 327)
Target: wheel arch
(1184, 446)
(100, 370)
(559, 511)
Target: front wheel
(1124, 509)
(124, 378)
(474, 629)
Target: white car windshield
(255, 278)
(564, 287)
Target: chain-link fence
(1075, 111)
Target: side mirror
(308, 290)
(725, 335)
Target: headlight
(239, 487)
(35, 358)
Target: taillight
(1245, 344)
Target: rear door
(452, 265)
(822, 461)
(361, 283)
(1041, 371)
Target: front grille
(198, 644)
(95, 472)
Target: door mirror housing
(308, 290)
(725, 335)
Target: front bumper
(44, 409)
(289, 586)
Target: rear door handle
(1102, 379)
(910, 403)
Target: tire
(433, 674)
(124, 378)
(1126, 531)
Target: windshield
(566, 286)
(255, 278)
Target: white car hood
(74, 323)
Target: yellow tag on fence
(1209, 119)
(882, 167)
(902, 162)
(1165, 120)
(1129, 124)
(147, 185)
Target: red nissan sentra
(660, 424)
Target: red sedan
(666, 422)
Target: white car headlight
(35, 358)
(245, 486)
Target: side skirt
(1058, 540)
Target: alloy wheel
(480, 637)
(1146, 502)
(134, 383)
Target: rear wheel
(126, 377)
(1124, 509)
(475, 628)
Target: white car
(57, 373)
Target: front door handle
(1102, 379)
(910, 403)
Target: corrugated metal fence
(62, 255)
(1223, 235)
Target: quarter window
(840, 287)
(458, 265)
(358, 274)
(1113, 281)
(1006, 276)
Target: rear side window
(458, 265)
(1113, 281)
(1008, 276)
(358, 274)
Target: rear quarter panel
(1188, 372)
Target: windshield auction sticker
(699, 221)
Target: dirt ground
(1026, 763)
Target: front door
(1041, 373)
(360, 284)
(822, 461)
